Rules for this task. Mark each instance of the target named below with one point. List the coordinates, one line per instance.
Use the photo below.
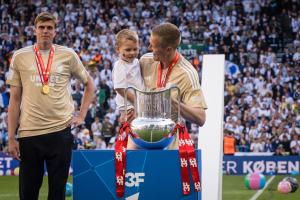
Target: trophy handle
(178, 99)
(151, 92)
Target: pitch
(233, 189)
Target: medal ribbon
(162, 83)
(43, 72)
(120, 157)
(187, 158)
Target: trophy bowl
(153, 133)
(153, 123)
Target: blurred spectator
(96, 128)
(285, 143)
(100, 143)
(295, 145)
(262, 38)
(77, 95)
(243, 146)
(280, 151)
(103, 95)
(268, 146)
(257, 145)
(229, 143)
(107, 130)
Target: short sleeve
(13, 76)
(77, 68)
(144, 62)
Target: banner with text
(238, 165)
(8, 165)
(191, 50)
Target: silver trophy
(153, 123)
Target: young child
(126, 70)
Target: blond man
(165, 66)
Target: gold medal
(44, 72)
(45, 89)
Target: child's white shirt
(125, 75)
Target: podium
(150, 174)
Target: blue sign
(7, 165)
(150, 174)
(264, 164)
(235, 165)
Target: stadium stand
(260, 40)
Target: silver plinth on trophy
(153, 122)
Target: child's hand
(130, 116)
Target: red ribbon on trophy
(187, 158)
(120, 157)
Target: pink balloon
(254, 181)
(284, 187)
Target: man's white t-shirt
(126, 75)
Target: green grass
(271, 192)
(155, 136)
(9, 188)
(233, 189)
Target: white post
(210, 139)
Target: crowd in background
(261, 37)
